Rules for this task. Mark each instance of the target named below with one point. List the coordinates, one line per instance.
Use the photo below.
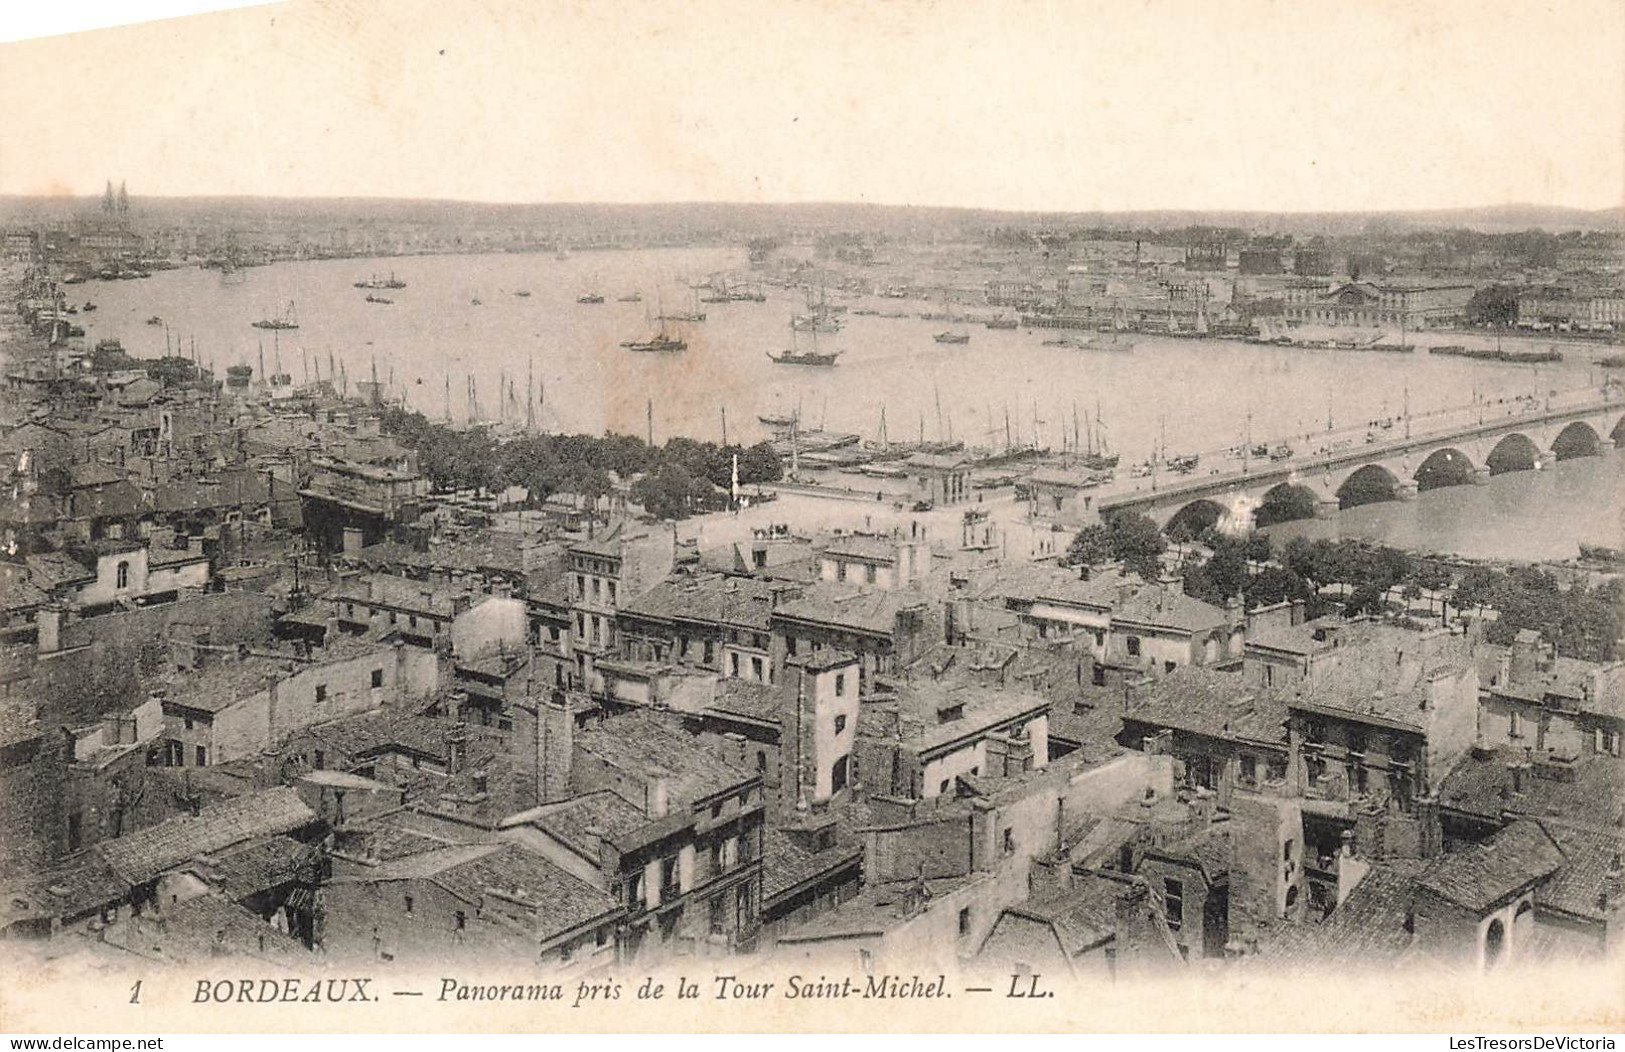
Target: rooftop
(1483, 876)
(643, 743)
(1213, 704)
(869, 610)
(142, 855)
(739, 602)
(581, 821)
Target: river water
(1184, 395)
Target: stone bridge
(1492, 439)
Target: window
(597, 589)
(1168, 666)
(1515, 724)
(1134, 646)
(869, 575)
(718, 910)
(75, 831)
(710, 651)
(840, 684)
(964, 921)
(581, 587)
(756, 667)
(1173, 903)
(1269, 675)
(321, 692)
(761, 763)
(837, 775)
(943, 788)
(1315, 731)
(612, 593)
(840, 571)
(188, 723)
(840, 724)
(1249, 770)
(1007, 841)
(1098, 677)
(412, 621)
(409, 905)
(733, 664)
(321, 758)
(668, 877)
(1276, 770)
(460, 920)
(202, 756)
(377, 677)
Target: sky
(1296, 105)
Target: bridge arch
(1285, 503)
(1444, 467)
(1369, 485)
(1579, 439)
(1618, 433)
(1194, 519)
(1515, 452)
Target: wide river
(1191, 396)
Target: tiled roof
(1482, 876)
(222, 684)
(1214, 704)
(1367, 929)
(602, 811)
(202, 928)
(51, 570)
(384, 730)
(714, 599)
(560, 900)
(870, 610)
(402, 593)
(984, 711)
(1481, 784)
(1081, 916)
(18, 595)
(142, 855)
(1386, 677)
(786, 864)
(746, 698)
(255, 866)
(73, 886)
(1168, 608)
(1588, 872)
(641, 742)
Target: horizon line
(713, 203)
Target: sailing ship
(592, 295)
(378, 299)
(1096, 457)
(1001, 322)
(820, 316)
(155, 320)
(286, 320)
(523, 294)
(375, 282)
(690, 316)
(796, 356)
(661, 341)
(89, 306)
(949, 335)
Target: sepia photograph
(720, 516)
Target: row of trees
(1581, 621)
(679, 478)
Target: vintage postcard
(814, 516)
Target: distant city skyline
(1166, 106)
